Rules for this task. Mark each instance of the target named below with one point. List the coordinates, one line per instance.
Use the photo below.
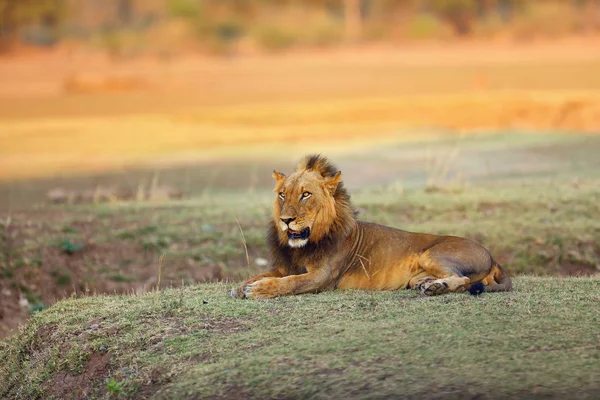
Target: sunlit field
(89, 114)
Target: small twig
(152, 191)
(363, 265)
(243, 241)
(160, 260)
(140, 192)
(6, 241)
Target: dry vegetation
(193, 109)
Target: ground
(518, 195)
(540, 340)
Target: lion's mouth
(303, 234)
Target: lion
(317, 244)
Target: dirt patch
(225, 326)
(54, 254)
(67, 385)
(92, 380)
(230, 392)
(175, 326)
(43, 336)
(581, 260)
(157, 378)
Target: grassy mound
(540, 340)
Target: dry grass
(58, 145)
(243, 242)
(196, 109)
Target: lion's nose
(288, 220)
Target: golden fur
(317, 244)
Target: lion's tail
(502, 282)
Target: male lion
(316, 244)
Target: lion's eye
(306, 195)
(281, 196)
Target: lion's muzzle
(302, 235)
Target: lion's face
(304, 208)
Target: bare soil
(65, 384)
(43, 272)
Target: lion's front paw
(238, 292)
(266, 288)
(419, 286)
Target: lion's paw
(419, 286)
(266, 288)
(433, 288)
(238, 292)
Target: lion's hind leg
(455, 264)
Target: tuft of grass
(69, 229)
(9, 256)
(75, 359)
(156, 243)
(35, 300)
(198, 342)
(120, 277)
(114, 387)
(140, 231)
(63, 279)
(69, 247)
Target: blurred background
(168, 27)
(132, 129)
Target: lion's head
(311, 203)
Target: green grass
(540, 340)
(545, 227)
(535, 227)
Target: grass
(534, 206)
(539, 341)
(545, 227)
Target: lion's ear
(278, 176)
(332, 182)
